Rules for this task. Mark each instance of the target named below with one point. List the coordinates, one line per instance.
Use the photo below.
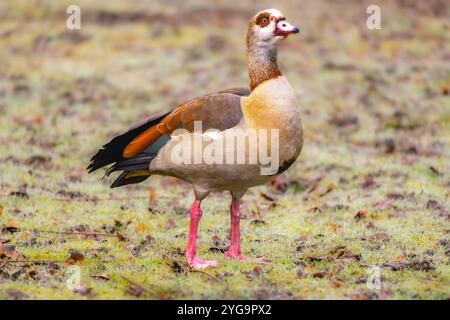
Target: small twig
(99, 199)
(84, 199)
(271, 239)
(30, 261)
(77, 233)
(136, 284)
(86, 233)
(4, 263)
(213, 277)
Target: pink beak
(284, 28)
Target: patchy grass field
(371, 187)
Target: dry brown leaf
(333, 226)
(329, 188)
(13, 223)
(74, 257)
(338, 282)
(320, 275)
(141, 228)
(4, 240)
(254, 273)
(362, 214)
(445, 88)
(8, 251)
(82, 290)
(2, 251)
(102, 276)
(121, 237)
(170, 224)
(135, 290)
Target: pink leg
(191, 248)
(234, 251)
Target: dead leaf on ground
(368, 182)
(15, 294)
(4, 240)
(12, 223)
(20, 194)
(109, 258)
(102, 276)
(170, 224)
(219, 245)
(306, 245)
(279, 184)
(345, 255)
(383, 204)
(82, 290)
(254, 273)
(121, 237)
(135, 290)
(217, 250)
(177, 267)
(9, 251)
(388, 144)
(362, 214)
(316, 258)
(433, 205)
(333, 226)
(218, 241)
(258, 222)
(395, 196)
(75, 257)
(364, 294)
(328, 189)
(148, 241)
(351, 122)
(337, 282)
(417, 265)
(434, 170)
(141, 228)
(321, 274)
(300, 272)
(267, 197)
(377, 236)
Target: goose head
(268, 27)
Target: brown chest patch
(259, 76)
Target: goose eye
(262, 20)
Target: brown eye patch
(263, 19)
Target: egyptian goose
(270, 104)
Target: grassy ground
(371, 187)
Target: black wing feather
(112, 151)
